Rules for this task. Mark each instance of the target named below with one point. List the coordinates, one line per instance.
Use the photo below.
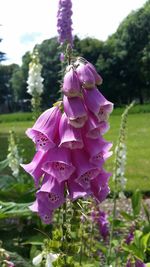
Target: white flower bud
(37, 260)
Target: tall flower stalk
(64, 22)
(14, 159)
(119, 180)
(70, 148)
(35, 84)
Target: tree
(2, 54)
(121, 64)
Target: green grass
(27, 116)
(138, 146)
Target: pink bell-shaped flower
(103, 127)
(93, 128)
(71, 85)
(34, 168)
(75, 111)
(70, 136)
(75, 189)
(98, 104)
(44, 131)
(98, 150)
(86, 76)
(97, 77)
(44, 212)
(99, 186)
(51, 193)
(58, 164)
(85, 171)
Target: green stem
(81, 250)
(113, 220)
(64, 230)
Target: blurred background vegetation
(123, 60)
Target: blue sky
(27, 22)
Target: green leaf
(132, 249)
(36, 240)
(144, 241)
(136, 202)
(147, 213)
(12, 209)
(148, 264)
(126, 216)
(3, 164)
(137, 237)
(118, 223)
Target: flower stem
(64, 231)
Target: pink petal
(34, 168)
(70, 137)
(101, 179)
(103, 127)
(58, 163)
(97, 150)
(34, 206)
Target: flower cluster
(138, 263)
(14, 159)
(70, 148)
(64, 22)
(35, 81)
(49, 257)
(101, 219)
(121, 153)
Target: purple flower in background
(9, 263)
(129, 264)
(103, 224)
(62, 57)
(139, 263)
(130, 236)
(64, 22)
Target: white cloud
(96, 18)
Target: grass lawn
(138, 145)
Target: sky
(25, 23)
